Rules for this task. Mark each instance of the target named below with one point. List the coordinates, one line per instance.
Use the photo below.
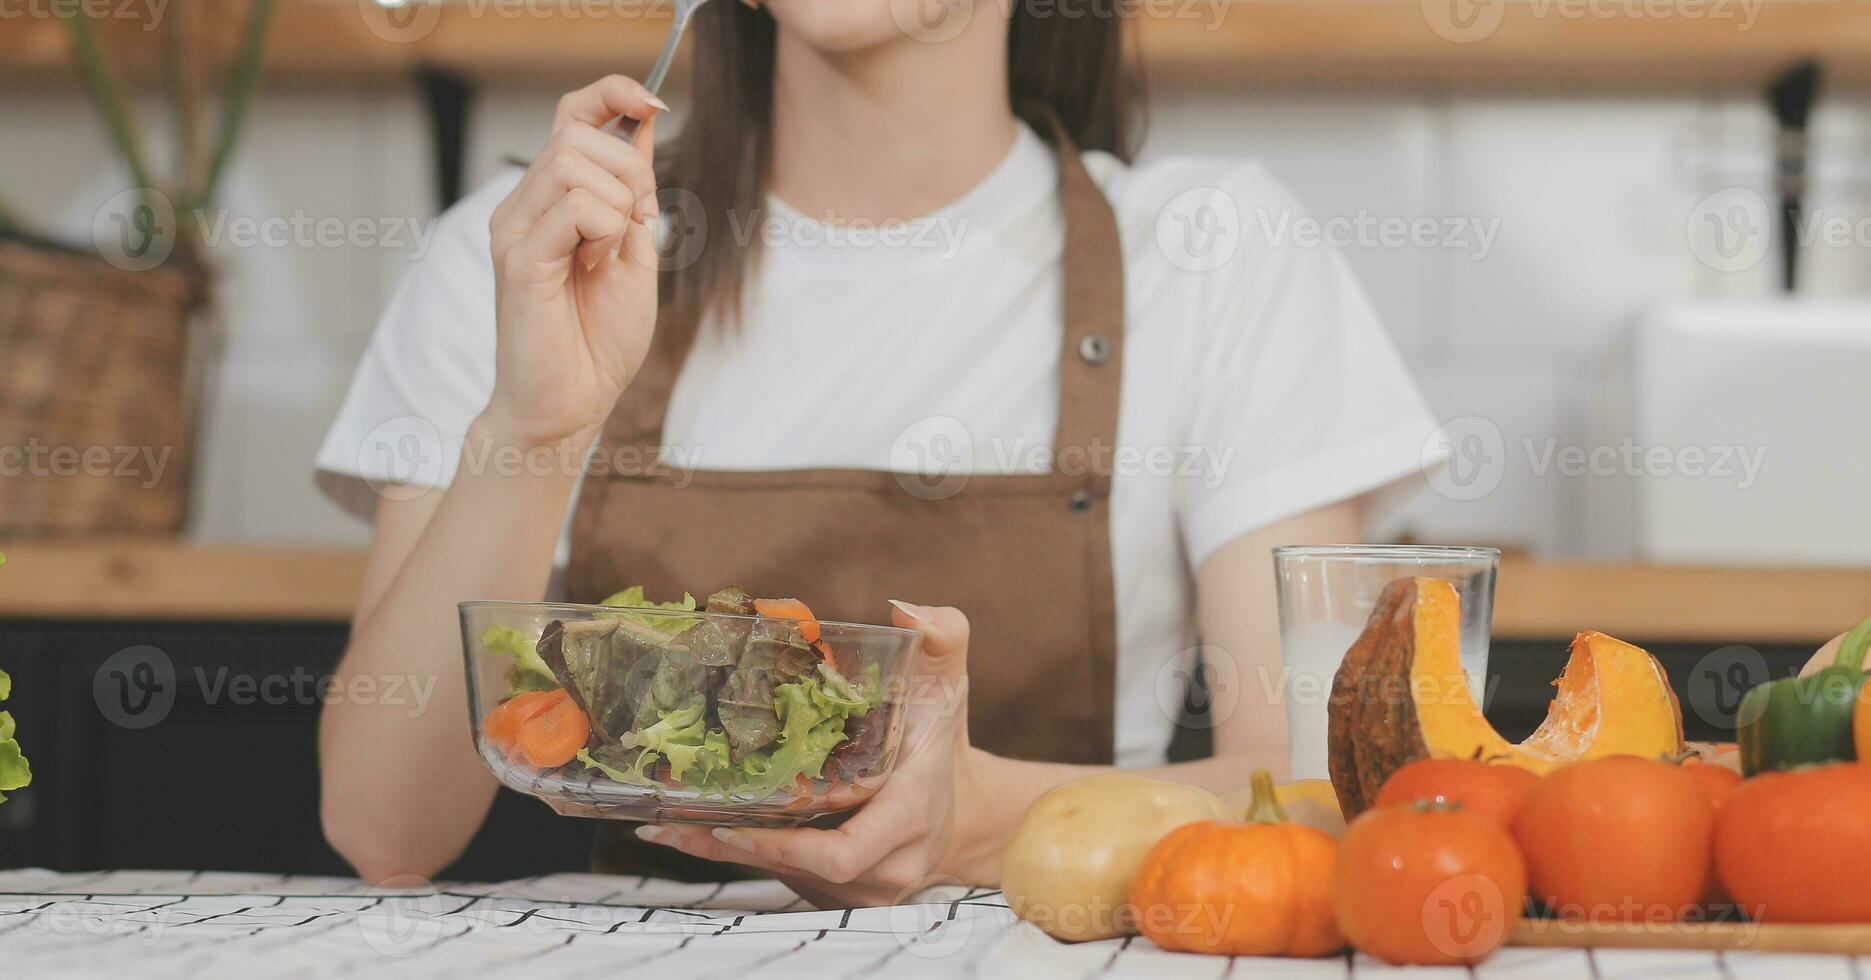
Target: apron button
(1094, 349)
(1081, 501)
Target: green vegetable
(683, 738)
(673, 625)
(529, 672)
(1804, 720)
(14, 772)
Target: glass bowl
(680, 716)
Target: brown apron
(1027, 557)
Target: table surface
(195, 924)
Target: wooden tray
(1762, 938)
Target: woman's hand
(915, 832)
(575, 267)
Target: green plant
(14, 772)
(201, 163)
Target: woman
(1111, 487)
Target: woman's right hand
(575, 267)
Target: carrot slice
(791, 609)
(553, 737)
(502, 725)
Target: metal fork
(625, 127)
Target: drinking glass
(1327, 593)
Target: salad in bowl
(734, 711)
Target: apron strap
(1090, 359)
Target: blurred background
(1625, 245)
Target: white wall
(1592, 198)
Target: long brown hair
(1071, 68)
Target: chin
(838, 26)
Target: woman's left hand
(914, 833)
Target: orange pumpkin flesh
(1401, 694)
(1242, 889)
(1795, 846)
(1428, 885)
(1619, 839)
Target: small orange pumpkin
(1428, 884)
(1261, 888)
(1487, 789)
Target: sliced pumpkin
(1401, 694)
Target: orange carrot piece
(502, 725)
(553, 737)
(791, 609)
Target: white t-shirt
(1257, 381)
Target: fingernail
(657, 103)
(647, 210)
(655, 835)
(733, 838)
(913, 612)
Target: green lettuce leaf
(682, 737)
(633, 598)
(529, 671)
(635, 775)
(14, 772)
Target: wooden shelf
(1534, 599)
(1568, 45)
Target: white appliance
(1735, 432)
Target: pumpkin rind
(1401, 694)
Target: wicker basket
(99, 378)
